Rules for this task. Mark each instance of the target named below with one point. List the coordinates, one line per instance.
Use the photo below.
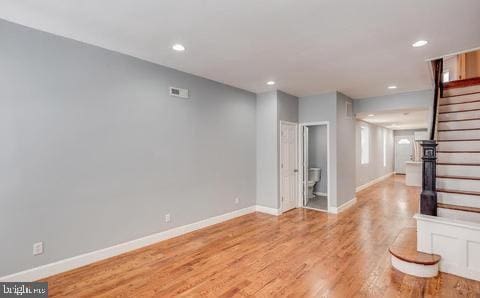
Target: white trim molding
(343, 207)
(373, 182)
(456, 241)
(268, 210)
(301, 165)
(324, 194)
(105, 253)
(414, 269)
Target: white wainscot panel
(456, 241)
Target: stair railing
(428, 197)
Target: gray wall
(416, 100)
(267, 150)
(375, 168)
(287, 111)
(287, 107)
(410, 100)
(272, 107)
(406, 132)
(331, 107)
(94, 152)
(318, 108)
(318, 154)
(345, 154)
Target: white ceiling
(307, 47)
(397, 120)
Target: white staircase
(454, 234)
(458, 154)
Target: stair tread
(462, 111)
(458, 177)
(458, 164)
(459, 208)
(405, 248)
(463, 83)
(456, 120)
(469, 93)
(458, 129)
(459, 103)
(460, 140)
(462, 192)
(458, 151)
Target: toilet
(313, 178)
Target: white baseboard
(321, 194)
(101, 254)
(343, 207)
(268, 210)
(374, 181)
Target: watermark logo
(23, 289)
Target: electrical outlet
(237, 200)
(167, 217)
(38, 248)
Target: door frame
(295, 125)
(301, 166)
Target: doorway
(315, 167)
(403, 152)
(288, 165)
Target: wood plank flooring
(303, 253)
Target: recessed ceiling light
(178, 47)
(270, 83)
(419, 43)
(371, 115)
(392, 87)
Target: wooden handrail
(437, 76)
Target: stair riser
(458, 184)
(460, 215)
(459, 135)
(460, 91)
(467, 171)
(458, 99)
(460, 107)
(459, 146)
(459, 124)
(458, 199)
(459, 115)
(458, 157)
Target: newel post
(428, 198)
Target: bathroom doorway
(315, 168)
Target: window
(404, 142)
(446, 76)
(365, 145)
(384, 148)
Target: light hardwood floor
(300, 253)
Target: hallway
(300, 253)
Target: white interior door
(288, 165)
(305, 166)
(403, 152)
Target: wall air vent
(349, 110)
(178, 92)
